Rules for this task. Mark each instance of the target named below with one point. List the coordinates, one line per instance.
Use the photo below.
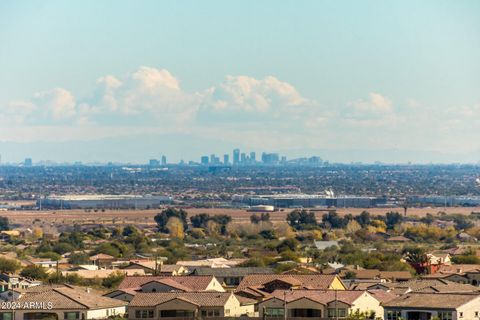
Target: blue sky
(348, 80)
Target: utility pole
(336, 309)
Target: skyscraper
(154, 163)
(236, 156)
(204, 160)
(253, 157)
(28, 162)
(164, 160)
(243, 158)
(226, 159)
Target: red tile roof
(194, 283)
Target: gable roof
(321, 296)
(194, 283)
(70, 298)
(205, 299)
(431, 300)
(232, 272)
(307, 281)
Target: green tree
(78, 259)
(8, 265)
(300, 219)
(4, 224)
(34, 272)
(113, 280)
(162, 218)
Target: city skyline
(312, 77)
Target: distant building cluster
(103, 202)
(309, 201)
(243, 158)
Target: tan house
(260, 286)
(187, 305)
(63, 303)
(425, 306)
(131, 286)
(320, 304)
(157, 268)
(103, 273)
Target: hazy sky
(348, 80)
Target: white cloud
(59, 102)
(375, 104)
(266, 112)
(243, 93)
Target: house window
(476, 314)
(275, 312)
(143, 314)
(461, 314)
(342, 313)
(393, 315)
(447, 315)
(211, 313)
(176, 314)
(71, 315)
(6, 316)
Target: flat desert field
(146, 216)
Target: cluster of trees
(364, 219)
(263, 217)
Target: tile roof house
(417, 285)
(461, 273)
(188, 305)
(417, 306)
(375, 274)
(231, 276)
(131, 286)
(64, 302)
(211, 263)
(152, 268)
(103, 273)
(320, 304)
(260, 286)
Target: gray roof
(322, 245)
(231, 272)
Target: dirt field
(146, 216)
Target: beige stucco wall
(89, 314)
(215, 285)
(367, 303)
(337, 284)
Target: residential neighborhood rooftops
(232, 272)
(63, 297)
(211, 299)
(195, 283)
(431, 300)
(320, 296)
(311, 281)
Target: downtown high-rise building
(236, 156)
(226, 159)
(164, 160)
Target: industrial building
(309, 201)
(103, 202)
(440, 201)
